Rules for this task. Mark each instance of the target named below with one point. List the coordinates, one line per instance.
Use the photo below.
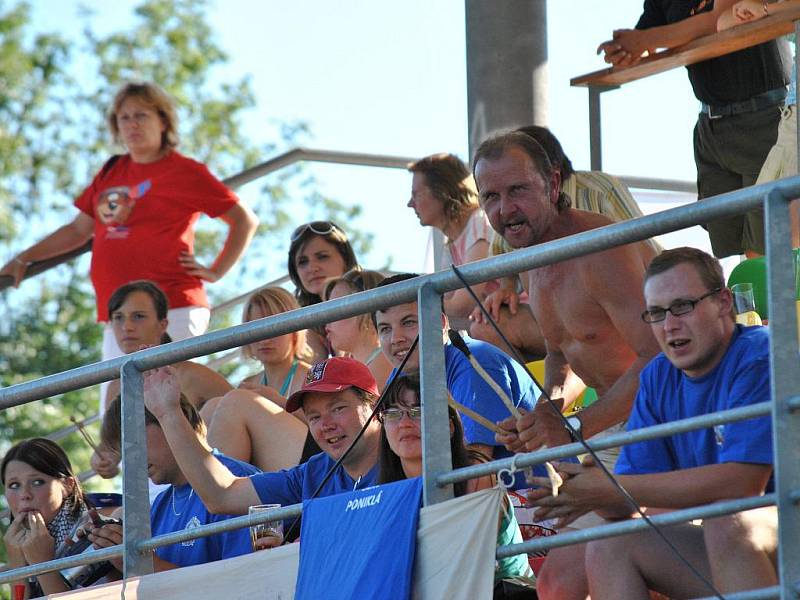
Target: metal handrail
(430, 288)
(625, 232)
(236, 181)
(300, 154)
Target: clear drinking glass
(745, 304)
(265, 535)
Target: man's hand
(510, 437)
(162, 392)
(749, 10)
(495, 301)
(105, 462)
(543, 427)
(585, 488)
(105, 537)
(627, 47)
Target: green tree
(53, 137)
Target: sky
(389, 77)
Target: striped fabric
(594, 191)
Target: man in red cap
(337, 398)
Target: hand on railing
(627, 47)
(15, 269)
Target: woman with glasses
(140, 211)
(318, 251)
(357, 336)
(400, 456)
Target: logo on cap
(317, 372)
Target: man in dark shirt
(741, 95)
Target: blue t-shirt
(667, 394)
(185, 510)
(292, 486)
(361, 544)
(467, 388)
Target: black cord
(575, 435)
(375, 410)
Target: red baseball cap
(334, 375)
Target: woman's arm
(458, 304)
(68, 237)
(242, 224)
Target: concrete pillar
(506, 65)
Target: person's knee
(751, 530)
(602, 554)
(562, 577)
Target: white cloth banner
(456, 542)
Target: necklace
(175, 512)
(287, 380)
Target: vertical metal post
(136, 519)
(796, 68)
(596, 125)
(507, 80)
(785, 383)
(436, 457)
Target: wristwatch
(577, 427)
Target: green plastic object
(754, 270)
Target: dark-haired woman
(138, 312)
(318, 251)
(46, 503)
(400, 456)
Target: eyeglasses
(677, 308)
(318, 227)
(394, 414)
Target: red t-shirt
(144, 216)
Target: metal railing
(296, 155)
(438, 475)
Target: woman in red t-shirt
(141, 209)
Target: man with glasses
(708, 363)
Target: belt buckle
(711, 114)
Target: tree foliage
(54, 96)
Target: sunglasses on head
(318, 227)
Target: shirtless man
(589, 310)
